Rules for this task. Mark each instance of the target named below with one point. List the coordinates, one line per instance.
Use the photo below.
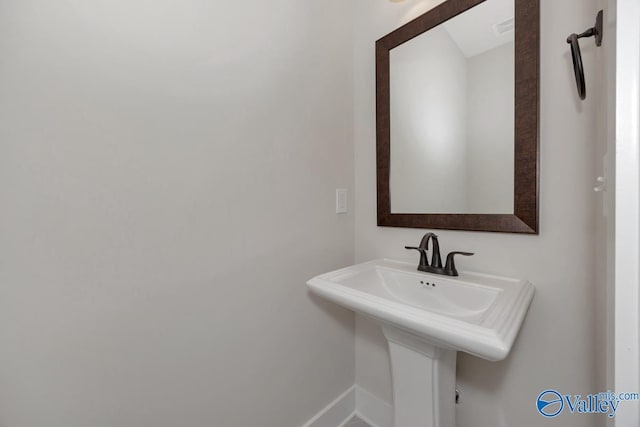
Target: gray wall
(167, 185)
(490, 130)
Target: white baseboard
(337, 413)
(375, 411)
(354, 401)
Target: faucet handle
(423, 256)
(450, 266)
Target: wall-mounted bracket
(597, 32)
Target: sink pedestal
(426, 319)
(424, 377)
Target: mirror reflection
(452, 115)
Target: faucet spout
(436, 260)
(424, 243)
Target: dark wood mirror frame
(527, 83)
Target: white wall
(558, 340)
(428, 116)
(167, 178)
(490, 130)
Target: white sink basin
(427, 319)
(475, 313)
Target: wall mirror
(457, 118)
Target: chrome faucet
(436, 261)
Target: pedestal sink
(426, 320)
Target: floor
(356, 422)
